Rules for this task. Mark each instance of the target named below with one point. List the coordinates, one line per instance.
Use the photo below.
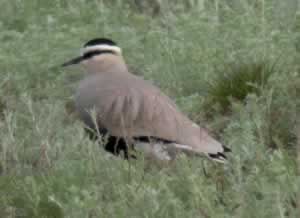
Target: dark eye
(91, 54)
(94, 53)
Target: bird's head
(99, 51)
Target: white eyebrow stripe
(112, 48)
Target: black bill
(76, 60)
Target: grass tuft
(238, 79)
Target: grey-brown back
(128, 106)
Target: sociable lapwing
(132, 110)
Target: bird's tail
(219, 156)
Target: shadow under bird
(133, 111)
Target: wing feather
(132, 107)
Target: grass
(237, 80)
(49, 167)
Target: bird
(132, 111)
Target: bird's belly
(154, 151)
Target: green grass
(237, 80)
(49, 167)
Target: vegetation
(238, 80)
(49, 167)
